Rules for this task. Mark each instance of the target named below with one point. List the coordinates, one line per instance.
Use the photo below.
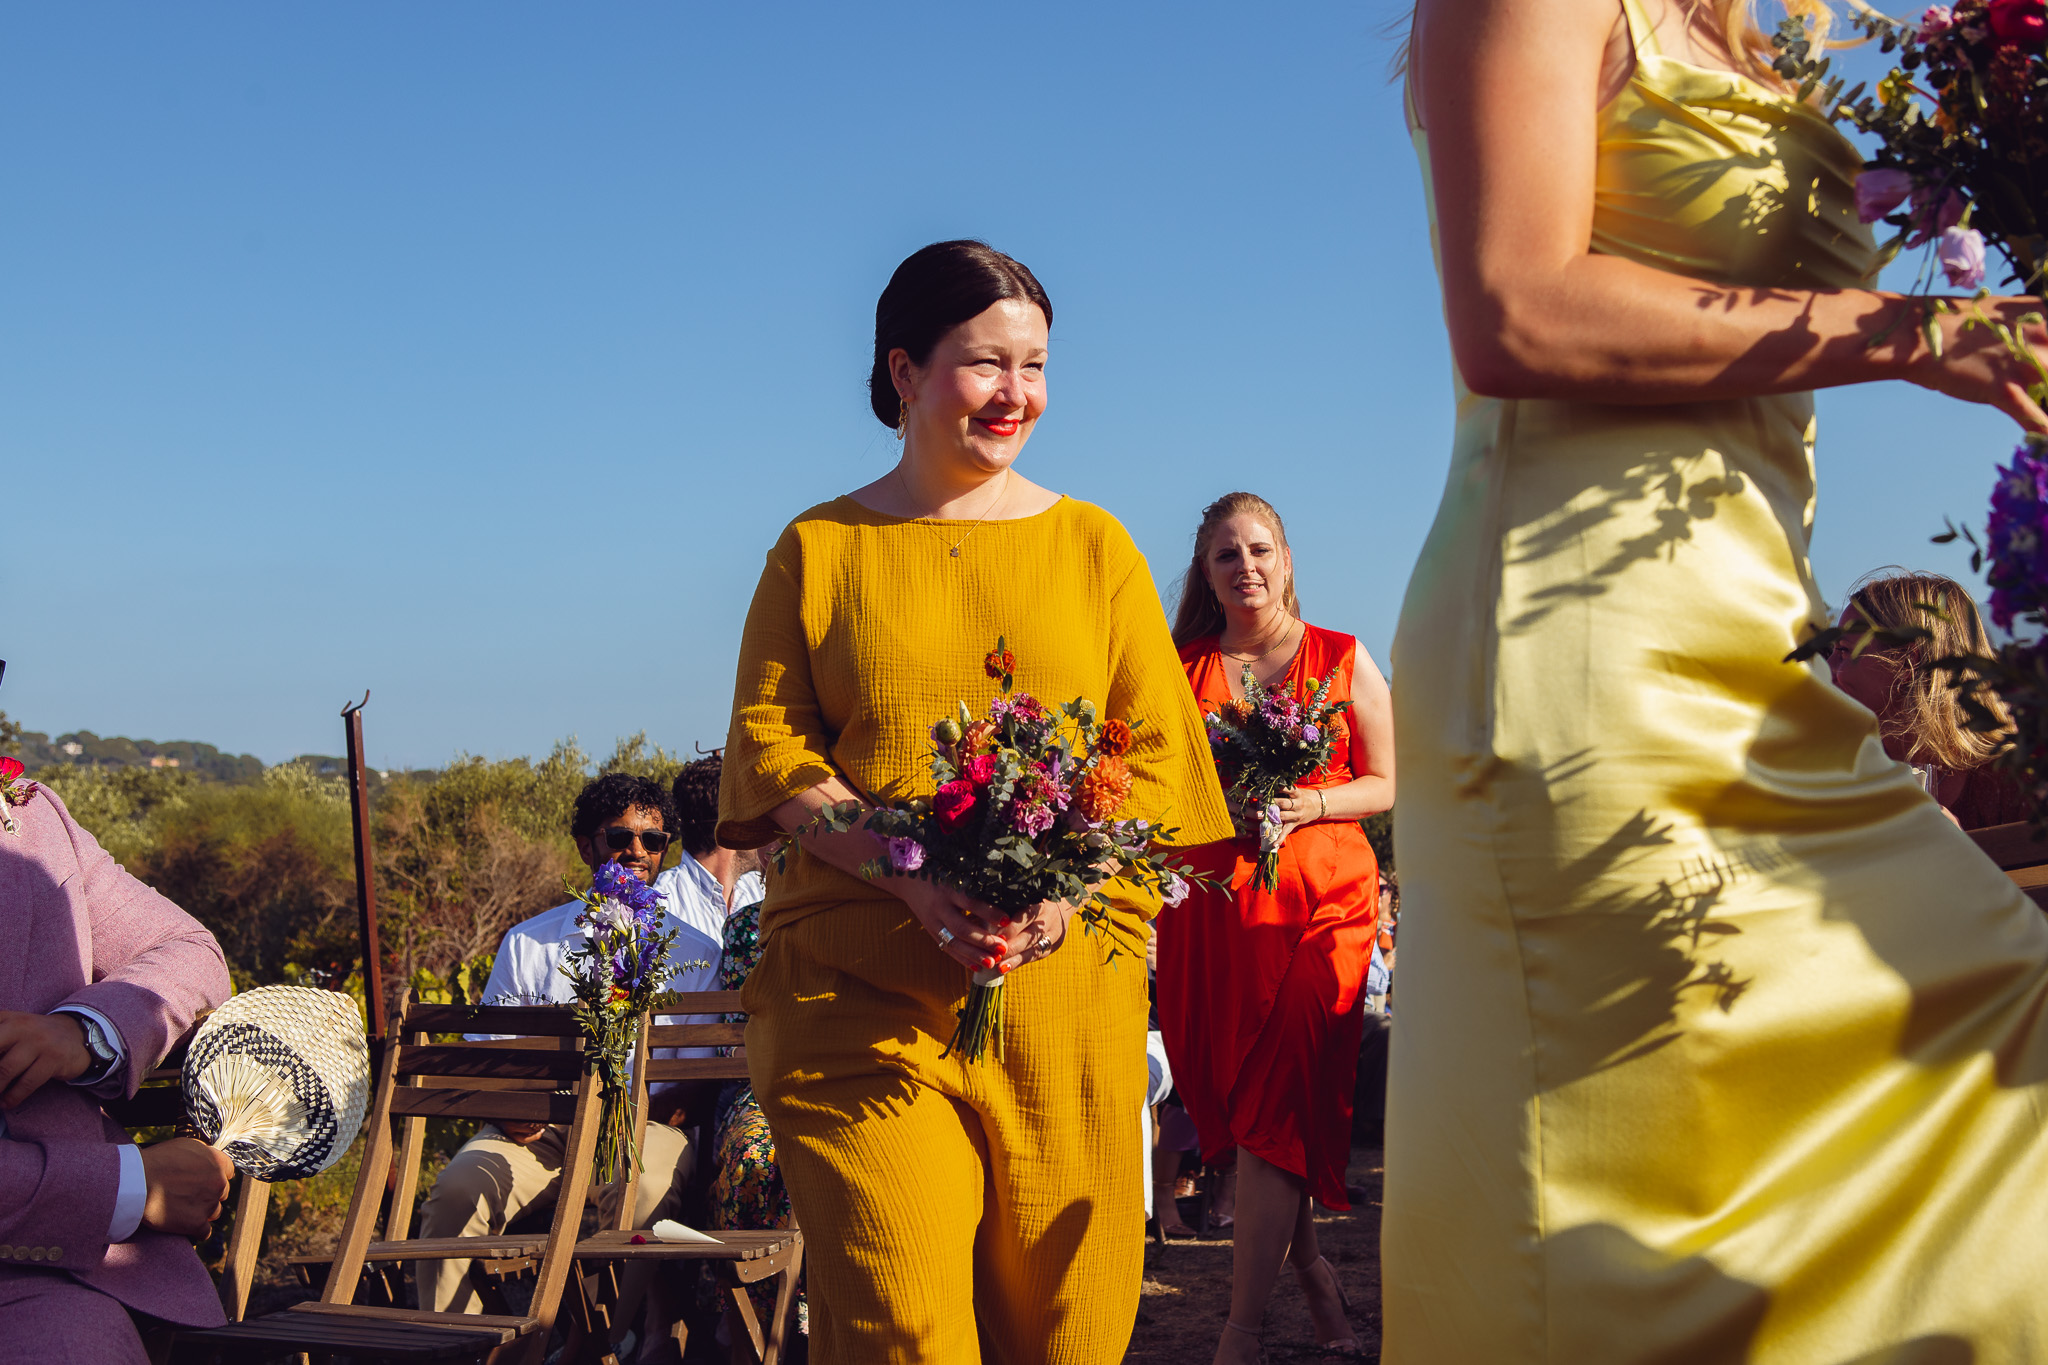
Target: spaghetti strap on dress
(1717, 1041)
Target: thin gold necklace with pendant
(954, 551)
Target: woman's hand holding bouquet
(1264, 744)
(1017, 839)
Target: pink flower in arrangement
(906, 855)
(1961, 253)
(1880, 191)
(1938, 20)
(953, 803)
(2019, 22)
(1030, 819)
(981, 769)
(1176, 889)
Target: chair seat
(603, 1246)
(351, 1329)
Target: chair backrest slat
(660, 1069)
(698, 1002)
(548, 1021)
(522, 1106)
(697, 1035)
(437, 1059)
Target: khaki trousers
(493, 1179)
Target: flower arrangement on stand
(15, 790)
(1266, 743)
(617, 973)
(1025, 811)
(1961, 168)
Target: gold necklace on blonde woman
(1285, 633)
(954, 549)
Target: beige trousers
(493, 1179)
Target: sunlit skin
(971, 407)
(1509, 92)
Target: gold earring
(902, 417)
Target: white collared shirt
(691, 894)
(528, 970)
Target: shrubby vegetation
(268, 865)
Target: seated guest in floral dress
(746, 1187)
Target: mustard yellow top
(1718, 1041)
(865, 630)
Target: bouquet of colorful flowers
(1025, 812)
(1265, 744)
(617, 973)
(1961, 124)
(15, 790)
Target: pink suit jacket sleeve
(78, 929)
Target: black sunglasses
(618, 839)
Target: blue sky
(475, 354)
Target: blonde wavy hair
(1928, 710)
(1200, 614)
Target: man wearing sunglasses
(508, 1168)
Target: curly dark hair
(612, 795)
(696, 793)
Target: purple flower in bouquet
(1938, 19)
(905, 854)
(2017, 539)
(1176, 889)
(1880, 191)
(1961, 253)
(1311, 734)
(615, 883)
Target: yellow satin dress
(1715, 1040)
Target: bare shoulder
(1451, 38)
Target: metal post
(366, 880)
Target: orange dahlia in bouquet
(1025, 810)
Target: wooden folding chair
(160, 1103)
(741, 1258)
(418, 1080)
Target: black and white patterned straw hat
(278, 1078)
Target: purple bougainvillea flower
(1961, 253)
(1880, 191)
(906, 855)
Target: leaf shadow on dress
(1612, 1279)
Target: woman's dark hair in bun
(935, 290)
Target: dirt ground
(1187, 1287)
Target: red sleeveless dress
(1262, 993)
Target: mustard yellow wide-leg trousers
(954, 1212)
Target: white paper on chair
(669, 1230)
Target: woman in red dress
(1260, 992)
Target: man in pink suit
(99, 975)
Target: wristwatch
(103, 1054)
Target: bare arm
(1509, 91)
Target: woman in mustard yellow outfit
(1717, 1041)
(953, 1211)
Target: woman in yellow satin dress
(1717, 1041)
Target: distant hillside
(37, 750)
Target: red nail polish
(987, 963)
(1006, 969)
